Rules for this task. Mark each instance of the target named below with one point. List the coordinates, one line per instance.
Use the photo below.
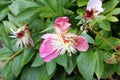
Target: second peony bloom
(61, 42)
(94, 8)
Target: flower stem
(105, 41)
(12, 57)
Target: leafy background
(96, 63)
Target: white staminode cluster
(22, 35)
(64, 42)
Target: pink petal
(45, 36)
(52, 56)
(62, 24)
(47, 51)
(61, 19)
(46, 48)
(81, 43)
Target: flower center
(68, 38)
(118, 47)
(20, 34)
(64, 42)
(65, 39)
(89, 14)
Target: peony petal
(47, 51)
(96, 5)
(93, 4)
(61, 19)
(62, 24)
(65, 27)
(46, 48)
(52, 56)
(31, 41)
(81, 43)
(18, 43)
(45, 36)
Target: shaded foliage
(101, 60)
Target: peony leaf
(86, 62)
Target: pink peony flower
(61, 41)
(94, 8)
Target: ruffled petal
(52, 56)
(96, 5)
(46, 48)
(93, 4)
(45, 36)
(62, 24)
(47, 52)
(81, 43)
(61, 19)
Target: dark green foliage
(100, 61)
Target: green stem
(60, 7)
(105, 41)
(10, 58)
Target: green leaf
(5, 52)
(71, 63)
(105, 25)
(27, 13)
(31, 73)
(3, 13)
(37, 73)
(98, 39)
(67, 12)
(88, 37)
(81, 3)
(112, 40)
(13, 19)
(27, 55)
(60, 74)
(5, 37)
(47, 12)
(110, 5)
(6, 72)
(99, 69)
(118, 69)
(55, 6)
(18, 6)
(80, 11)
(9, 25)
(99, 18)
(43, 73)
(4, 2)
(112, 19)
(109, 70)
(62, 60)
(65, 3)
(115, 11)
(38, 61)
(37, 25)
(49, 28)
(16, 65)
(51, 66)
(110, 57)
(86, 62)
